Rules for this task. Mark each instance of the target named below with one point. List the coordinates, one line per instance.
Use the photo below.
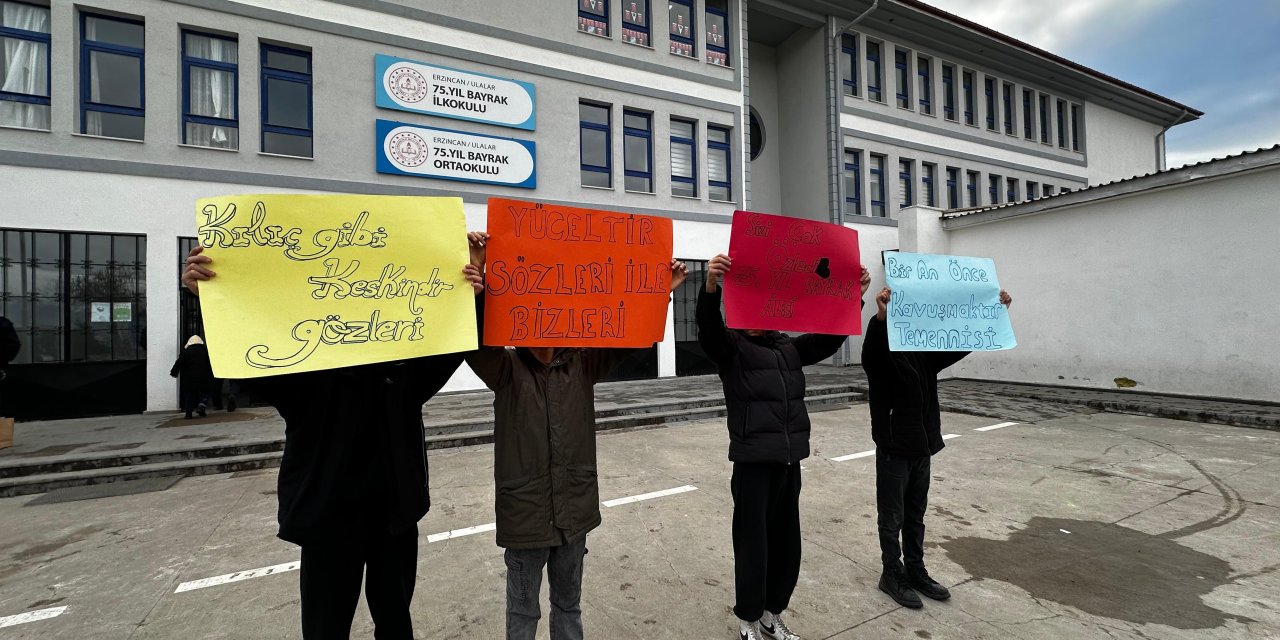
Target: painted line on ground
(238, 576)
(855, 456)
(31, 616)
(948, 436)
(459, 533)
(649, 496)
(996, 426)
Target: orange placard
(561, 276)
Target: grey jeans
(524, 582)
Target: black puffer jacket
(902, 389)
(764, 384)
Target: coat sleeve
(816, 347)
(713, 336)
(939, 360)
(177, 366)
(491, 364)
(600, 362)
(432, 373)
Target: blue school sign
(945, 303)
(428, 152)
(406, 85)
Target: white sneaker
(748, 630)
(772, 626)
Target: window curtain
(25, 67)
(212, 91)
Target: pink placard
(791, 274)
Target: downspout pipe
(834, 99)
(1161, 160)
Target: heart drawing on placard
(824, 268)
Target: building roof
(1215, 168)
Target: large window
(971, 185)
(949, 91)
(905, 183)
(1062, 124)
(877, 185)
(719, 164)
(595, 151)
(1012, 194)
(593, 17)
(903, 75)
(1028, 114)
(718, 32)
(968, 98)
(874, 72)
(993, 188)
(683, 27)
(1075, 127)
(1006, 96)
(684, 158)
(637, 151)
(990, 89)
(849, 56)
(953, 188)
(853, 182)
(210, 97)
(286, 101)
(24, 65)
(1044, 118)
(635, 22)
(928, 173)
(1033, 190)
(112, 100)
(925, 90)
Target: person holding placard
(764, 387)
(353, 482)
(906, 427)
(548, 495)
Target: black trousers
(330, 579)
(766, 536)
(902, 495)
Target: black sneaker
(920, 581)
(894, 582)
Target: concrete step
(44, 483)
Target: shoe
(187, 417)
(231, 404)
(772, 626)
(894, 582)
(920, 581)
(200, 409)
(748, 630)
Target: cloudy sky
(1219, 56)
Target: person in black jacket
(10, 345)
(906, 426)
(195, 376)
(353, 482)
(764, 388)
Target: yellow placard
(319, 282)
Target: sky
(1219, 56)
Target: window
(949, 91)
(593, 17)
(990, 84)
(684, 158)
(853, 182)
(1007, 97)
(968, 98)
(905, 190)
(1048, 190)
(1033, 190)
(953, 188)
(926, 85)
(1075, 127)
(637, 151)
(1028, 114)
(112, 100)
(1062, 124)
(1065, 190)
(927, 174)
(877, 185)
(903, 75)
(719, 164)
(756, 134)
(24, 65)
(873, 71)
(682, 27)
(993, 188)
(849, 53)
(1044, 118)
(972, 186)
(595, 151)
(1012, 194)
(635, 22)
(210, 95)
(286, 101)
(718, 32)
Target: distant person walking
(195, 376)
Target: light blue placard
(419, 87)
(945, 303)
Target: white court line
(237, 576)
(458, 533)
(32, 616)
(855, 456)
(948, 436)
(649, 496)
(996, 426)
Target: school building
(116, 116)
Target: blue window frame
(683, 27)
(971, 185)
(990, 89)
(968, 98)
(1006, 95)
(993, 188)
(853, 182)
(927, 173)
(637, 151)
(1062, 124)
(849, 55)
(635, 22)
(112, 77)
(953, 188)
(1044, 118)
(877, 185)
(684, 158)
(211, 90)
(1033, 190)
(949, 91)
(906, 191)
(1028, 114)
(874, 73)
(1075, 127)
(24, 79)
(1012, 194)
(717, 20)
(719, 163)
(593, 17)
(595, 144)
(926, 85)
(287, 124)
(903, 75)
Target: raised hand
(1005, 298)
(679, 273)
(475, 277)
(866, 279)
(476, 241)
(716, 270)
(197, 269)
(882, 303)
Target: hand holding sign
(944, 303)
